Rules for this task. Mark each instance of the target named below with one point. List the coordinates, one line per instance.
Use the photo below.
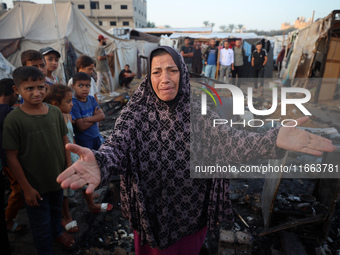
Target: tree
(151, 24)
(206, 23)
(223, 28)
(271, 32)
(167, 26)
(231, 27)
(212, 25)
(240, 26)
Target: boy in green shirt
(34, 140)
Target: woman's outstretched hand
(295, 139)
(85, 171)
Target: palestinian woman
(150, 149)
(197, 63)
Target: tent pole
(58, 34)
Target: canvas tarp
(145, 49)
(304, 49)
(35, 25)
(6, 68)
(166, 41)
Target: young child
(85, 112)
(34, 58)
(34, 137)
(52, 61)
(86, 64)
(61, 96)
(15, 201)
(7, 100)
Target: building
(113, 13)
(299, 23)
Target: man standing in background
(236, 69)
(258, 61)
(210, 57)
(187, 51)
(102, 66)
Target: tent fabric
(137, 35)
(35, 25)
(6, 68)
(166, 41)
(305, 47)
(8, 47)
(145, 49)
(279, 42)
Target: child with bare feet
(61, 96)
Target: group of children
(33, 137)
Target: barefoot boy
(86, 114)
(34, 139)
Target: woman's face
(165, 77)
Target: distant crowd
(225, 63)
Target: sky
(260, 14)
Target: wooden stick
(238, 215)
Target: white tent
(279, 42)
(35, 25)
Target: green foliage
(271, 32)
(151, 24)
(206, 23)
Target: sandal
(71, 227)
(104, 207)
(18, 229)
(66, 240)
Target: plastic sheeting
(304, 49)
(279, 42)
(145, 49)
(166, 41)
(6, 68)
